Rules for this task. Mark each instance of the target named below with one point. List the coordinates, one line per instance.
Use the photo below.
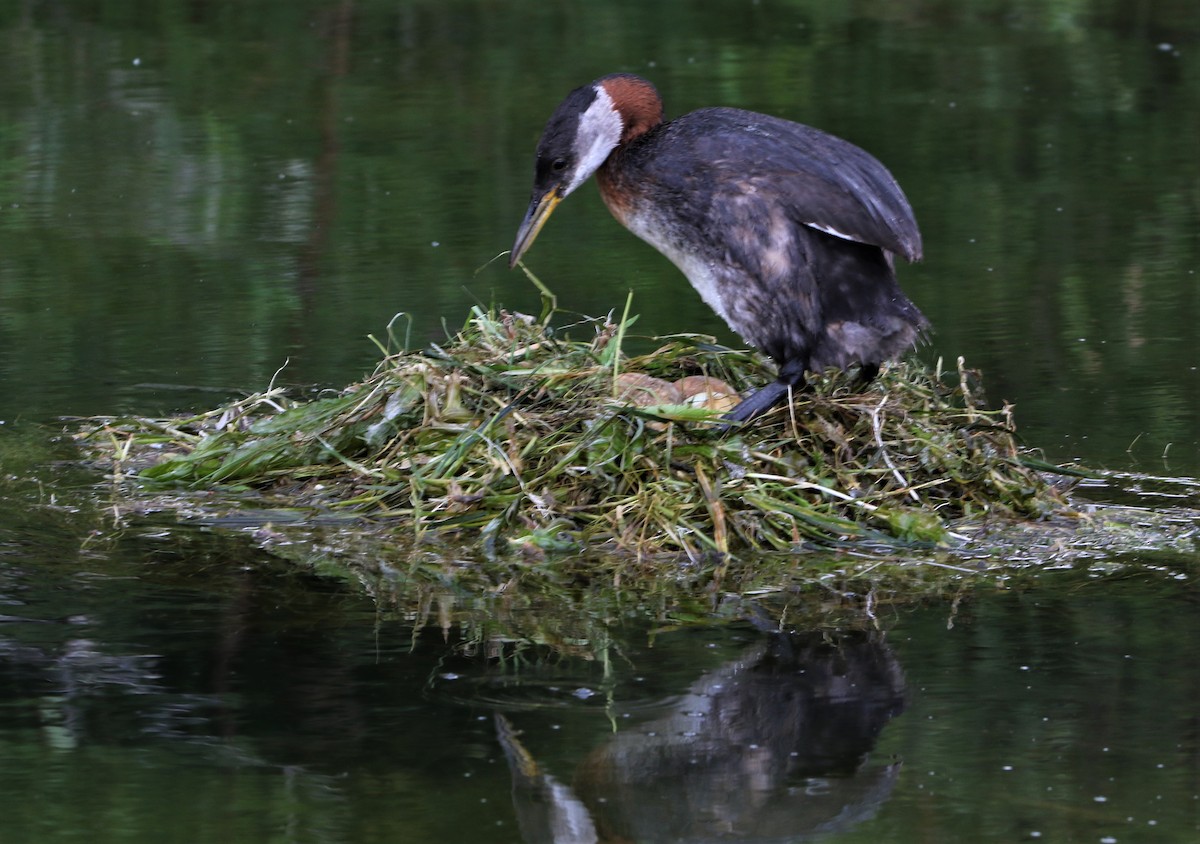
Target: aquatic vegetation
(555, 439)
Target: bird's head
(585, 128)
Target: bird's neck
(638, 103)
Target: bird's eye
(558, 165)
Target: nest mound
(517, 432)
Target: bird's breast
(660, 225)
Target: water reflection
(130, 698)
(167, 685)
(81, 658)
(67, 684)
(192, 196)
(772, 745)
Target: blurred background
(194, 192)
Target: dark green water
(193, 193)
(170, 685)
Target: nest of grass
(517, 433)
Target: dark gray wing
(821, 180)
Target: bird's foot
(757, 403)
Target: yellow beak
(539, 212)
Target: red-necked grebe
(787, 232)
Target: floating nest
(513, 432)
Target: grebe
(787, 232)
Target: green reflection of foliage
(272, 177)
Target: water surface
(181, 685)
(193, 194)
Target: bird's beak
(539, 212)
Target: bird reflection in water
(771, 746)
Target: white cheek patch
(600, 129)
